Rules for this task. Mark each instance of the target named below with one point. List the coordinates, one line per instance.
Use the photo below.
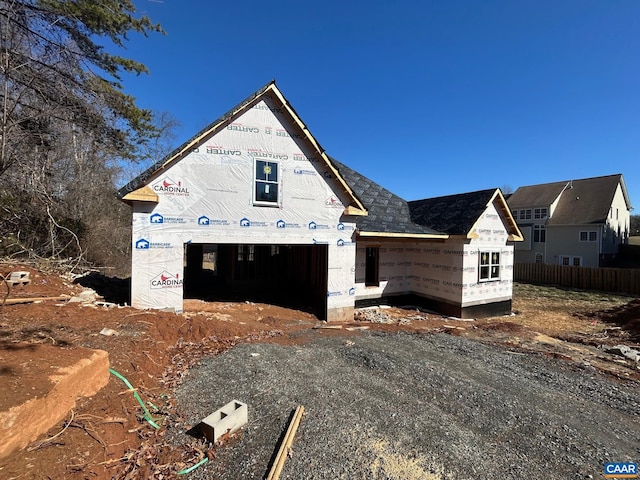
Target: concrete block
(18, 278)
(230, 418)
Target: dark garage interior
(292, 276)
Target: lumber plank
(14, 301)
(285, 446)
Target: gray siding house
(575, 222)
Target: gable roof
(587, 201)
(536, 195)
(458, 214)
(582, 202)
(438, 218)
(389, 214)
(135, 189)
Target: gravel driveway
(407, 406)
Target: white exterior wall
(492, 237)
(437, 270)
(618, 224)
(446, 272)
(428, 269)
(207, 197)
(393, 270)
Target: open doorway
(292, 276)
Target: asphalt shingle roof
(388, 213)
(452, 214)
(536, 195)
(586, 201)
(582, 202)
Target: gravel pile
(402, 406)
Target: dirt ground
(106, 437)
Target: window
(371, 278)
(570, 261)
(540, 213)
(515, 214)
(489, 266)
(591, 236)
(525, 214)
(246, 253)
(266, 183)
(539, 258)
(539, 234)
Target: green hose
(193, 467)
(147, 414)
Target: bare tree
(66, 124)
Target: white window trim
(491, 264)
(263, 203)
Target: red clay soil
(105, 436)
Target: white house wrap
(257, 177)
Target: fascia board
(144, 194)
(402, 235)
(358, 209)
(515, 235)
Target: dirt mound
(40, 284)
(627, 317)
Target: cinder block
(18, 278)
(230, 418)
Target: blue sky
(427, 98)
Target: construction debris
(14, 301)
(108, 332)
(624, 351)
(228, 419)
(86, 296)
(285, 446)
(373, 315)
(18, 278)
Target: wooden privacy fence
(621, 280)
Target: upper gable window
(540, 213)
(525, 214)
(266, 183)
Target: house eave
(399, 235)
(144, 194)
(356, 206)
(355, 212)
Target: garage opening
(291, 276)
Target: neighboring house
(273, 214)
(577, 222)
